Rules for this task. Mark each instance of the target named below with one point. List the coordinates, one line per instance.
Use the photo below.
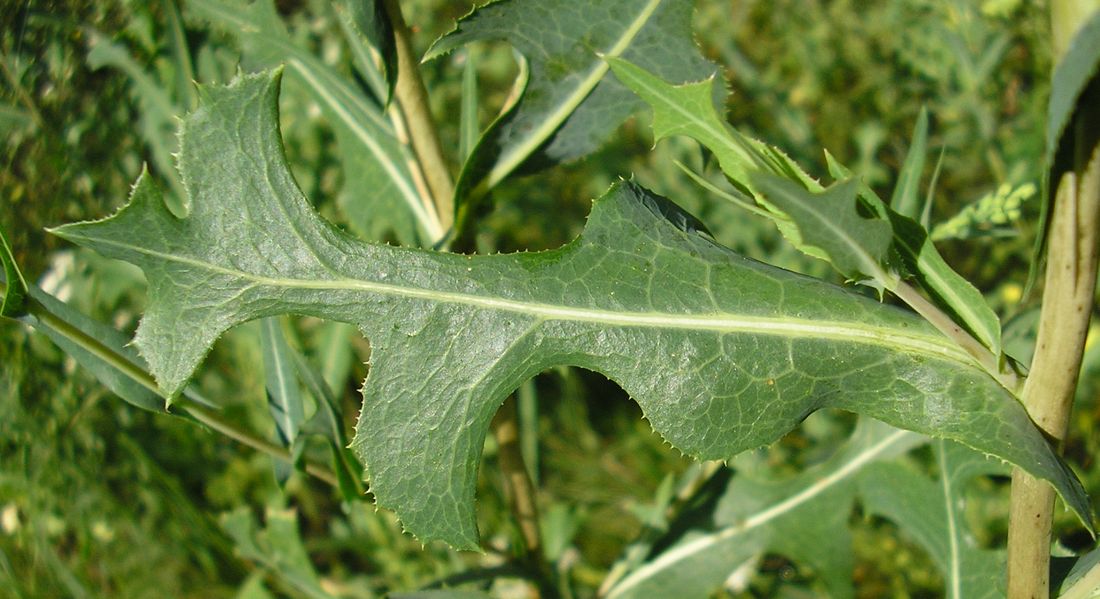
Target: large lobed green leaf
(570, 105)
(721, 352)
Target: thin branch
(412, 96)
(192, 408)
(209, 418)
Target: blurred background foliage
(100, 499)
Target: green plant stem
(197, 411)
(1063, 325)
(518, 488)
(1066, 16)
(947, 325)
(212, 420)
(412, 96)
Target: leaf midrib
(954, 575)
(785, 326)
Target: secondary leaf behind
(570, 105)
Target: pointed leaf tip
(857, 246)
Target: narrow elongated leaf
(931, 512)
(328, 423)
(159, 111)
(104, 351)
(689, 110)
(571, 105)
(1075, 73)
(15, 286)
(335, 354)
(372, 22)
(1077, 68)
(373, 158)
(906, 199)
(796, 517)
(181, 55)
(468, 128)
(284, 396)
(721, 352)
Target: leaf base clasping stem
(1070, 283)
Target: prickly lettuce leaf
(722, 353)
(571, 104)
(932, 513)
(795, 517)
(690, 110)
(857, 246)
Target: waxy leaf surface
(721, 352)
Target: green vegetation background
(100, 499)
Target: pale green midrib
(759, 519)
(889, 337)
(953, 558)
(550, 123)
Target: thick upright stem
(1048, 393)
(412, 96)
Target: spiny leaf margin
(729, 354)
